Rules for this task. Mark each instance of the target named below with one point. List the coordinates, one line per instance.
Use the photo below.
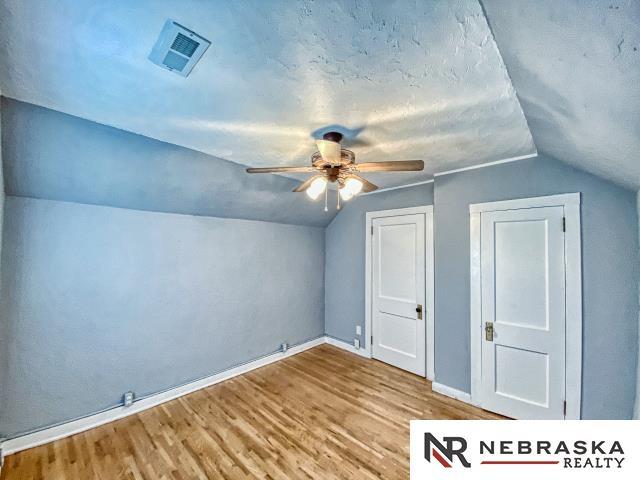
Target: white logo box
(522, 450)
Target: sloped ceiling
(402, 80)
(576, 67)
(55, 156)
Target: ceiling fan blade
(367, 186)
(400, 166)
(330, 151)
(281, 170)
(304, 185)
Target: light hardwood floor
(323, 414)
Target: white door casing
(525, 281)
(399, 277)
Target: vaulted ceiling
(401, 80)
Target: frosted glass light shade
(351, 187)
(316, 188)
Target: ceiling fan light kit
(352, 186)
(332, 163)
(318, 185)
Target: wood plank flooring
(325, 414)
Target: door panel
(397, 275)
(398, 333)
(510, 382)
(523, 283)
(521, 272)
(398, 287)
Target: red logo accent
(440, 458)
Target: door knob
(419, 311)
(488, 331)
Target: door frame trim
(573, 292)
(427, 210)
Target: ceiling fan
(332, 163)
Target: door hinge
(564, 408)
(371, 339)
(371, 229)
(564, 224)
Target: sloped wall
(102, 300)
(54, 156)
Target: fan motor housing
(332, 173)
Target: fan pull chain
(326, 196)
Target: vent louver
(178, 49)
(184, 45)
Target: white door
(523, 303)
(398, 291)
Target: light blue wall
(345, 257)
(102, 300)
(636, 410)
(55, 156)
(4, 344)
(107, 297)
(609, 269)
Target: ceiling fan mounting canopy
(332, 137)
(332, 163)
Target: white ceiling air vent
(178, 49)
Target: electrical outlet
(356, 343)
(128, 399)
(358, 330)
(284, 347)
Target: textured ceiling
(576, 67)
(402, 80)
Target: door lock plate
(419, 311)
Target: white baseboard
(76, 426)
(452, 392)
(347, 346)
(67, 429)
